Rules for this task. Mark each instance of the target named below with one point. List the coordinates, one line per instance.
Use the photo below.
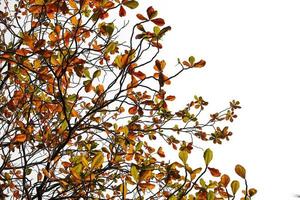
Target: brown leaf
(200, 64)
(214, 172)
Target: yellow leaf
(134, 172)
(235, 185)
(73, 4)
(123, 190)
(39, 2)
(84, 161)
(97, 161)
(208, 155)
(74, 21)
(183, 155)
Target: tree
(84, 108)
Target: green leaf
(183, 155)
(156, 30)
(235, 185)
(210, 195)
(134, 172)
(208, 156)
(131, 4)
(86, 72)
(97, 73)
(192, 60)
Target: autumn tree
(84, 108)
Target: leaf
(225, 180)
(84, 161)
(97, 73)
(139, 75)
(183, 155)
(141, 17)
(76, 171)
(39, 2)
(145, 174)
(200, 64)
(192, 60)
(73, 4)
(122, 11)
(210, 195)
(147, 186)
(20, 138)
(131, 4)
(208, 156)
(97, 161)
(170, 98)
(151, 12)
(235, 185)
(123, 190)
(252, 192)
(132, 110)
(22, 52)
(195, 172)
(160, 152)
(214, 172)
(240, 170)
(158, 21)
(134, 172)
(88, 85)
(74, 21)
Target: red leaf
(122, 12)
(141, 17)
(151, 12)
(158, 21)
(133, 110)
(214, 172)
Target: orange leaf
(214, 172)
(88, 86)
(158, 21)
(23, 52)
(160, 152)
(141, 17)
(225, 180)
(20, 138)
(132, 110)
(170, 98)
(139, 74)
(147, 186)
(122, 12)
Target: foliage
(85, 111)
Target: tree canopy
(84, 108)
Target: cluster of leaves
(81, 111)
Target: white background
(252, 53)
